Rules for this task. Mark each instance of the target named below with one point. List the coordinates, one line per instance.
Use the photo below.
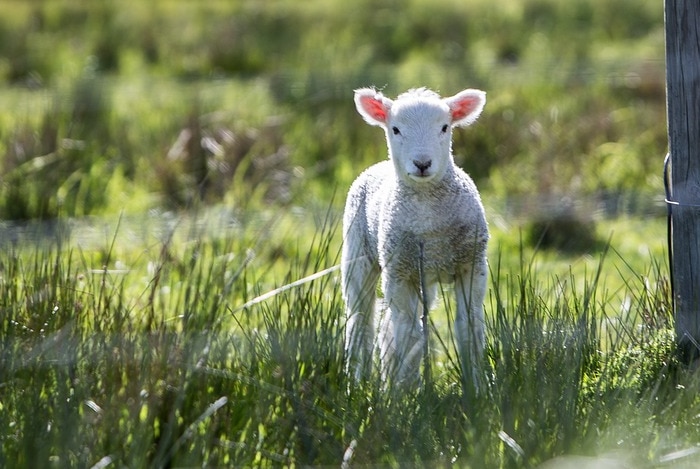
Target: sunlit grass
(132, 345)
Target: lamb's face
(419, 135)
(418, 127)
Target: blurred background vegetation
(109, 106)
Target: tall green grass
(158, 365)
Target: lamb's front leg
(359, 284)
(401, 333)
(470, 290)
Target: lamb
(416, 202)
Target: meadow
(166, 165)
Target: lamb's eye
(396, 130)
(444, 128)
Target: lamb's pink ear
(372, 106)
(466, 106)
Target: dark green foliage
(564, 230)
(61, 167)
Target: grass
(148, 361)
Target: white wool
(418, 196)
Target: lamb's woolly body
(448, 218)
(418, 196)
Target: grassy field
(164, 165)
(145, 357)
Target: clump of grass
(212, 156)
(562, 228)
(60, 166)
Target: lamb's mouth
(421, 176)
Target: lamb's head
(418, 126)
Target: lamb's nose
(422, 165)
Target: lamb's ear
(372, 106)
(466, 106)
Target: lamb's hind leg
(470, 290)
(359, 283)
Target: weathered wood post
(682, 23)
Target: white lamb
(418, 197)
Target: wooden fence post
(682, 24)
